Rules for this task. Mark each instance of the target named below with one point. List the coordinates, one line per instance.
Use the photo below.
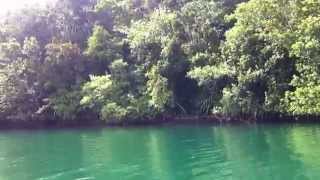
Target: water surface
(228, 152)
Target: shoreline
(167, 120)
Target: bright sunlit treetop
(13, 5)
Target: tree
(158, 89)
(18, 82)
(256, 59)
(157, 41)
(305, 48)
(103, 49)
(115, 97)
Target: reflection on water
(242, 152)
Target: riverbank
(163, 120)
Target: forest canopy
(123, 60)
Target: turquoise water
(228, 152)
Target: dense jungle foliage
(122, 60)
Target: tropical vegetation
(125, 60)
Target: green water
(246, 152)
